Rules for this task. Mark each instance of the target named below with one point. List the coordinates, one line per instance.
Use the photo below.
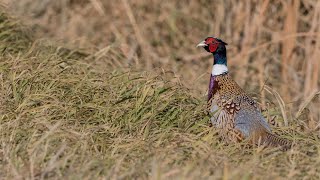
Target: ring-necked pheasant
(235, 112)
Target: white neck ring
(219, 69)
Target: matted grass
(63, 119)
(273, 43)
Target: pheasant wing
(249, 120)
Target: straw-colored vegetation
(124, 96)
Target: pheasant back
(238, 115)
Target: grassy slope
(61, 118)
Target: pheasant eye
(209, 40)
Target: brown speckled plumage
(235, 113)
(238, 115)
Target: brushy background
(116, 89)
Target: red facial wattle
(213, 47)
(210, 40)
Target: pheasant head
(218, 48)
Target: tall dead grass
(66, 113)
(271, 42)
(62, 118)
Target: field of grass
(105, 90)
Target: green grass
(60, 118)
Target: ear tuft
(224, 43)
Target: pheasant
(236, 114)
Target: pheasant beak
(202, 44)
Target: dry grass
(271, 42)
(103, 114)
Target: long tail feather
(275, 141)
